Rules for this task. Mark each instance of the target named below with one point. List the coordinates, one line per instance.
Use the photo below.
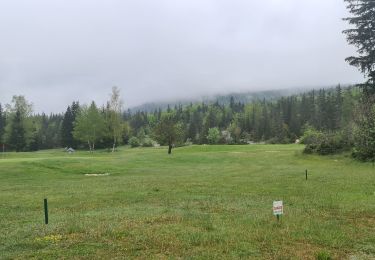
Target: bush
(331, 144)
(325, 143)
(148, 142)
(310, 149)
(213, 136)
(311, 136)
(134, 142)
(365, 137)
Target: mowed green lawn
(201, 202)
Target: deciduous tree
(115, 121)
(89, 126)
(168, 132)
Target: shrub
(148, 142)
(311, 136)
(213, 136)
(330, 144)
(310, 148)
(326, 143)
(134, 142)
(365, 136)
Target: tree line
(281, 120)
(326, 120)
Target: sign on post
(278, 208)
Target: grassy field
(202, 202)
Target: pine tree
(67, 129)
(17, 134)
(362, 36)
(67, 126)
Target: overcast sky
(54, 52)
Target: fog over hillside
(224, 98)
(54, 52)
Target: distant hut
(70, 150)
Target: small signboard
(278, 208)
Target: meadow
(201, 202)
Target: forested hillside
(222, 99)
(280, 120)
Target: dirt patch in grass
(304, 250)
(96, 174)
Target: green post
(45, 211)
(306, 175)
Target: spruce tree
(362, 36)
(67, 126)
(67, 129)
(17, 134)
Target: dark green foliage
(325, 143)
(331, 143)
(67, 126)
(168, 131)
(363, 38)
(46, 133)
(17, 134)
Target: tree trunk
(169, 148)
(113, 147)
(89, 146)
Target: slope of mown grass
(200, 202)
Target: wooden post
(45, 211)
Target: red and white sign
(278, 207)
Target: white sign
(278, 208)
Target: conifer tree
(362, 36)
(67, 129)
(17, 133)
(67, 126)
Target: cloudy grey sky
(58, 51)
